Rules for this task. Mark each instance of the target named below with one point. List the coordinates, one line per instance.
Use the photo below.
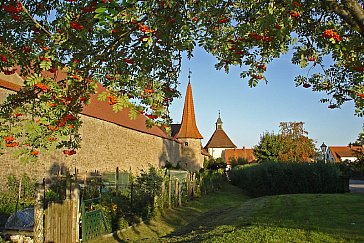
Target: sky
(249, 112)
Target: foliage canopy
(291, 144)
(134, 48)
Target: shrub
(215, 164)
(353, 169)
(9, 196)
(146, 187)
(210, 180)
(272, 178)
(240, 161)
(135, 202)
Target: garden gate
(93, 221)
(60, 222)
(57, 221)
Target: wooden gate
(93, 221)
(60, 224)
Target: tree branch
(37, 24)
(334, 7)
(356, 12)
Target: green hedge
(272, 178)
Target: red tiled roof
(8, 85)
(188, 127)
(244, 153)
(345, 151)
(103, 111)
(220, 140)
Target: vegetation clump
(273, 178)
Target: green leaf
(45, 65)
(133, 114)
(117, 107)
(100, 10)
(33, 79)
(102, 96)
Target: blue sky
(248, 112)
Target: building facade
(219, 141)
(344, 153)
(221, 146)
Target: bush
(134, 203)
(215, 164)
(272, 178)
(9, 196)
(240, 161)
(354, 170)
(210, 180)
(146, 187)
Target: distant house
(219, 142)
(344, 153)
(235, 154)
(221, 146)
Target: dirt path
(198, 216)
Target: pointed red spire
(188, 127)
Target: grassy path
(229, 216)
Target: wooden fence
(75, 218)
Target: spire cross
(189, 75)
(219, 113)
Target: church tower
(189, 135)
(219, 141)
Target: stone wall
(104, 147)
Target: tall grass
(273, 178)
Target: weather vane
(189, 75)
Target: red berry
(3, 58)
(306, 85)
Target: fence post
(84, 186)
(176, 192)
(117, 180)
(131, 196)
(188, 184)
(75, 213)
(68, 185)
(163, 191)
(193, 185)
(76, 172)
(169, 192)
(39, 214)
(179, 194)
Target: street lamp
(324, 150)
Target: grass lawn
(230, 216)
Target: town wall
(104, 147)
